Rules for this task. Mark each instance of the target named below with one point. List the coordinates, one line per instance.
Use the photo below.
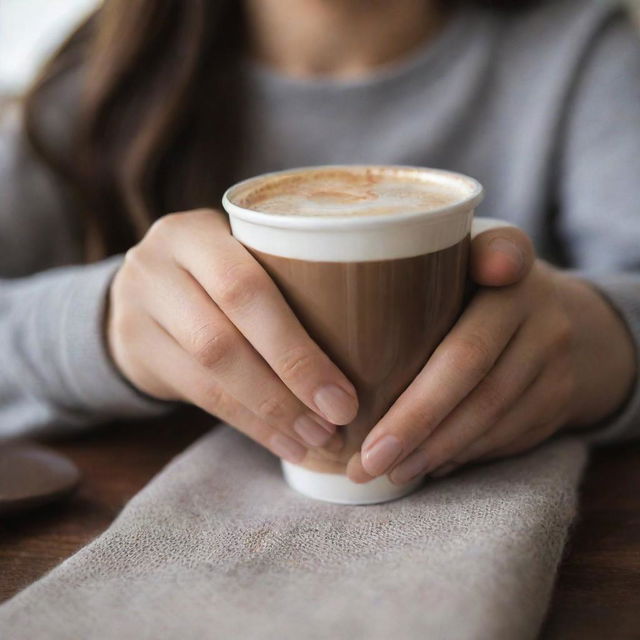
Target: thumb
(501, 257)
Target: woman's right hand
(193, 317)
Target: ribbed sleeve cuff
(623, 292)
(61, 350)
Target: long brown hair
(158, 124)
(157, 79)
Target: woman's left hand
(536, 350)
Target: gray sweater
(543, 107)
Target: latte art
(364, 192)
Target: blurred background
(31, 29)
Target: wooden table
(598, 589)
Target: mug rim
(344, 222)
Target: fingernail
(381, 455)
(355, 470)
(336, 404)
(287, 448)
(325, 424)
(310, 431)
(509, 249)
(445, 470)
(410, 468)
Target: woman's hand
(523, 361)
(193, 317)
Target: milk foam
(348, 192)
(352, 213)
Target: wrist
(603, 353)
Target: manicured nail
(381, 455)
(325, 424)
(311, 431)
(335, 404)
(355, 470)
(444, 471)
(509, 249)
(287, 448)
(410, 468)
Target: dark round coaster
(31, 475)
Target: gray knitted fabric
(217, 546)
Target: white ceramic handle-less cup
(356, 239)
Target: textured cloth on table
(217, 546)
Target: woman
(155, 106)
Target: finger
(445, 470)
(501, 257)
(544, 403)
(355, 471)
(532, 438)
(192, 382)
(533, 345)
(251, 300)
(457, 366)
(523, 442)
(180, 305)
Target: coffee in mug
(373, 262)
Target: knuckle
(210, 346)
(140, 261)
(133, 259)
(296, 363)
(169, 222)
(238, 285)
(272, 409)
(162, 227)
(215, 401)
(419, 423)
(473, 354)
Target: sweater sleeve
(55, 372)
(599, 183)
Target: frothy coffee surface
(348, 192)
